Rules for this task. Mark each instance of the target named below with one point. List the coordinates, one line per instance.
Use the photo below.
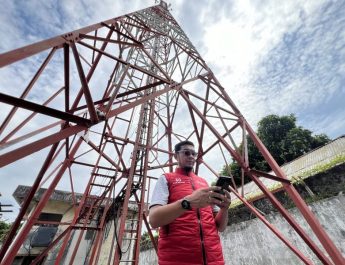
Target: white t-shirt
(161, 194)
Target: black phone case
(224, 183)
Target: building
(54, 219)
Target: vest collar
(181, 171)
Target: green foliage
(283, 139)
(296, 142)
(272, 129)
(4, 229)
(145, 242)
(145, 236)
(319, 140)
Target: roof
(58, 195)
(305, 166)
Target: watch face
(186, 205)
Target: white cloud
(251, 38)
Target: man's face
(186, 156)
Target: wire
(118, 203)
(115, 228)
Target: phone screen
(223, 182)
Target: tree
(320, 140)
(4, 229)
(297, 142)
(272, 129)
(282, 138)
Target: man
(189, 214)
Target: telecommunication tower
(105, 107)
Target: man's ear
(175, 156)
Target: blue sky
(273, 57)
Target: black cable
(90, 246)
(115, 228)
(118, 204)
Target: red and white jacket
(193, 237)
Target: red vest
(193, 237)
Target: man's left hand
(223, 201)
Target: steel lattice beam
(141, 87)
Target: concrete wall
(251, 242)
(68, 213)
(56, 207)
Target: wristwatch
(186, 204)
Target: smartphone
(223, 182)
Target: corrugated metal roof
(303, 167)
(315, 158)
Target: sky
(273, 57)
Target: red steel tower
(104, 108)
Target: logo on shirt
(179, 181)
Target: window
(45, 232)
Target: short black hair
(180, 144)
